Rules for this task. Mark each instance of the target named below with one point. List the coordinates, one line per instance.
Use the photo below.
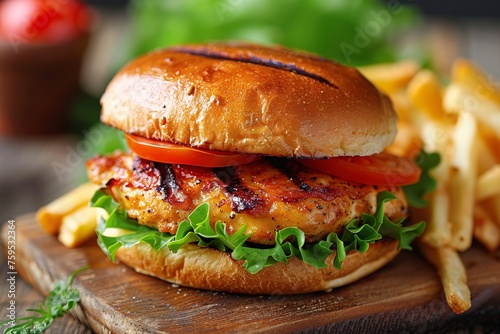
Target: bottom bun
(210, 269)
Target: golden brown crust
(210, 269)
(248, 98)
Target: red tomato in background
(43, 21)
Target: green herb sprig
(59, 302)
(358, 236)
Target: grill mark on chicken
(241, 198)
(258, 61)
(154, 175)
(265, 195)
(169, 187)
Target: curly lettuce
(358, 235)
(415, 193)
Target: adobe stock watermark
(371, 29)
(11, 272)
(74, 157)
(36, 23)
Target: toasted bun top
(252, 99)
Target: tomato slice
(160, 151)
(378, 169)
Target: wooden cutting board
(405, 296)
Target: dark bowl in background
(37, 85)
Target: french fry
(452, 98)
(471, 90)
(404, 109)
(485, 230)
(465, 73)
(486, 153)
(488, 113)
(51, 215)
(491, 141)
(488, 184)
(462, 181)
(79, 226)
(437, 138)
(390, 77)
(452, 274)
(426, 95)
(438, 231)
(458, 98)
(492, 205)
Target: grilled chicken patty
(266, 196)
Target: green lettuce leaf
(290, 242)
(415, 193)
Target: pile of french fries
(460, 120)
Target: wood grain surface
(405, 296)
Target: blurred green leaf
(366, 28)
